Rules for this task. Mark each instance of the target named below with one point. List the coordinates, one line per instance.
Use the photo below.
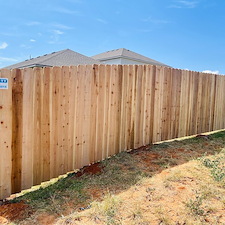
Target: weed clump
(107, 209)
(216, 165)
(195, 206)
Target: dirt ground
(154, 201)
(157, 162)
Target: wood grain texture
(28, 127)
(17, 118)
(55, 120)
(6, 136)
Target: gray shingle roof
(61, 58)
(127, 54)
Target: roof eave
(34, 65)
(127, 57)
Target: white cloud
(62, 26)
(3, 45)
(211, 71)
(184, 4)
(55, 37)
(32, 40)
(58, 32)
(8, 59)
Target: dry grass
(178, 182)
(185, 194)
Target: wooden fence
(55, 120)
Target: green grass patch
(118, 173)
(216, 164)
(124, 170)
(220, 134)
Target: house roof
(127, 54)
(65, 57)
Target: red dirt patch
(150, 159)
(180, 150)
(152, 156)
(96, 193)
(140, 150)
(181, 188)
(46, 219)
(13, 211)
(92, 169)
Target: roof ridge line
(122, 51)
(55, 54)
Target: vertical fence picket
(17, 107)
(63, 118)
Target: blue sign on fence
(4, 84)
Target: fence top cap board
(65, 57)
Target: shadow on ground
(114, 175)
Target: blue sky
(186, 34)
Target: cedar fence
(55, 120)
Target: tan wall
(55, 120)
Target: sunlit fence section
(54, 120)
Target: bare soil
(156, 162)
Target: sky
(185, 34)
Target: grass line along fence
(55, 120)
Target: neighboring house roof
(126, 54)
(65, 57)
